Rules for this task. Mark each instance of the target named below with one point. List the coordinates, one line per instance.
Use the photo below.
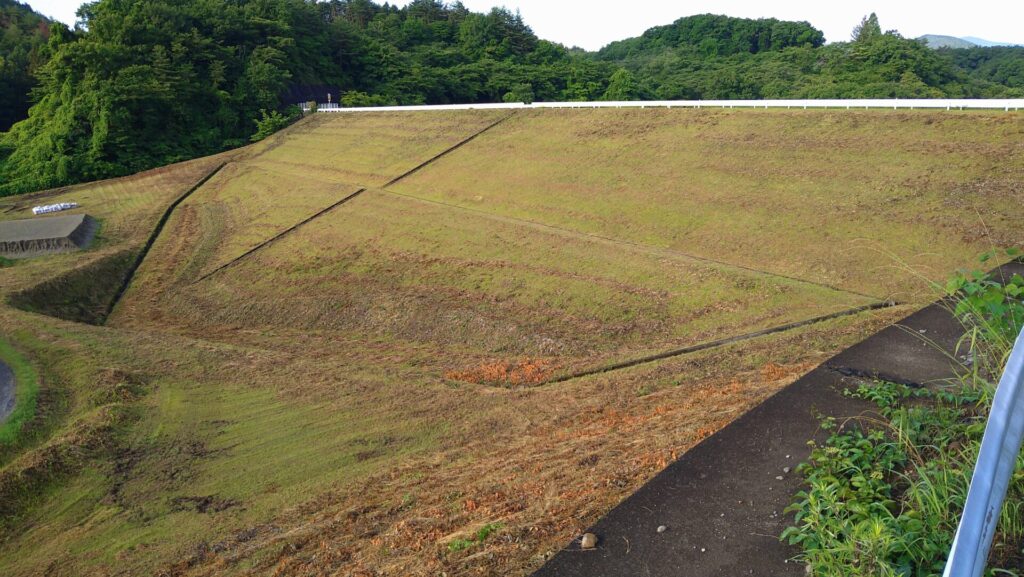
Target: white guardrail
(1007, 104)
(996, 462)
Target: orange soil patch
(519, 373)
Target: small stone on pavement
(589, 541)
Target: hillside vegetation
(143, 84)
(297, 384)
(23, 49)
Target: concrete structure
(39, 236)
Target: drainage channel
(279, 235)
(153, 236)
(717, 343)
(394, 180)
(636, 245)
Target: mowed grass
(387, 266)
(127, 207)
(245, 205)
(373, 148)
(847, 198)
(127, 210)
(217, 443)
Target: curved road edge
(6, 391)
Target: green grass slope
(846, 198)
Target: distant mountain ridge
(987, 43)
(940, 41)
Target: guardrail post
(997, 460)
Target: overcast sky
(591, 24)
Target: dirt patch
(82, 295)
(524, 372)
(203, 504)
(118, 385)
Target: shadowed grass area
(82, 295)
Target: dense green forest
(717, 57)
(144, 83)
(23, 35)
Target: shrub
(270, 123)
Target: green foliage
(884, 494)
(481, 535)
(1001, 65)
(992, 312)
(868, 29)
(269, 123)
(520, 93)
(622, 86)
(712, 36)
(354, 98)
(154, 82)
(713, 57)
(23, 48)
(994, 303)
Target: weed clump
(884, 493)
(481, 535)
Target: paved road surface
(6, 392)
(722, 502)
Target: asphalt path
(6, 392)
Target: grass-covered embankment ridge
(885, 491)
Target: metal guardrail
(1006, 104)
(997, 459)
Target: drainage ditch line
(398, 178)
(446, 152)
(152, 239)
(636, 245)
(718, 343)
(277, 236)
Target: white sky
(591, 24)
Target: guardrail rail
(997, 459)
(1006, 104)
